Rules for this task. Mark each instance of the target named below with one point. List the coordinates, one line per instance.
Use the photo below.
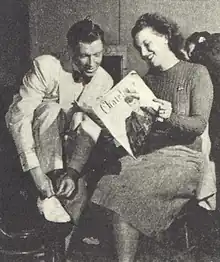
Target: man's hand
(66, 186)
(42, 182)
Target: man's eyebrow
(98, 52)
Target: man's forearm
(87, 135)
(83, 147)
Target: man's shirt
(47, 81)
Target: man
(52, 137)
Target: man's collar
(80, 78)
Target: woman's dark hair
(163, 26)
(84, 31)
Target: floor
(204, 241)
(93, 254)
(98, 226)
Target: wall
(14, 40)
(14, 60)
(49, 20)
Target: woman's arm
(201, 99)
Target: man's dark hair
(84, 31)
(163, 26)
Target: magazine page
(114, 110)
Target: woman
(150, 191)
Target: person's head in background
(85, 41)
(158, 40)
(195, 46)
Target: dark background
(14, 61)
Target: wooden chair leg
(59, 251)
(186, 235)
(55, 251)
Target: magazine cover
(117, 108)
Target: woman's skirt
(151, 190)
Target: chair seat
(25, 242)
(32, 239)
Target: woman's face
(152, 46)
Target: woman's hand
(165, 108)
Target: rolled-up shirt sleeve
(20, 114)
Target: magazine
(115, 109)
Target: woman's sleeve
(201, 98)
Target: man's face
(88, 57)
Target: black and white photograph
(110, 131)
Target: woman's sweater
(189, 89)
